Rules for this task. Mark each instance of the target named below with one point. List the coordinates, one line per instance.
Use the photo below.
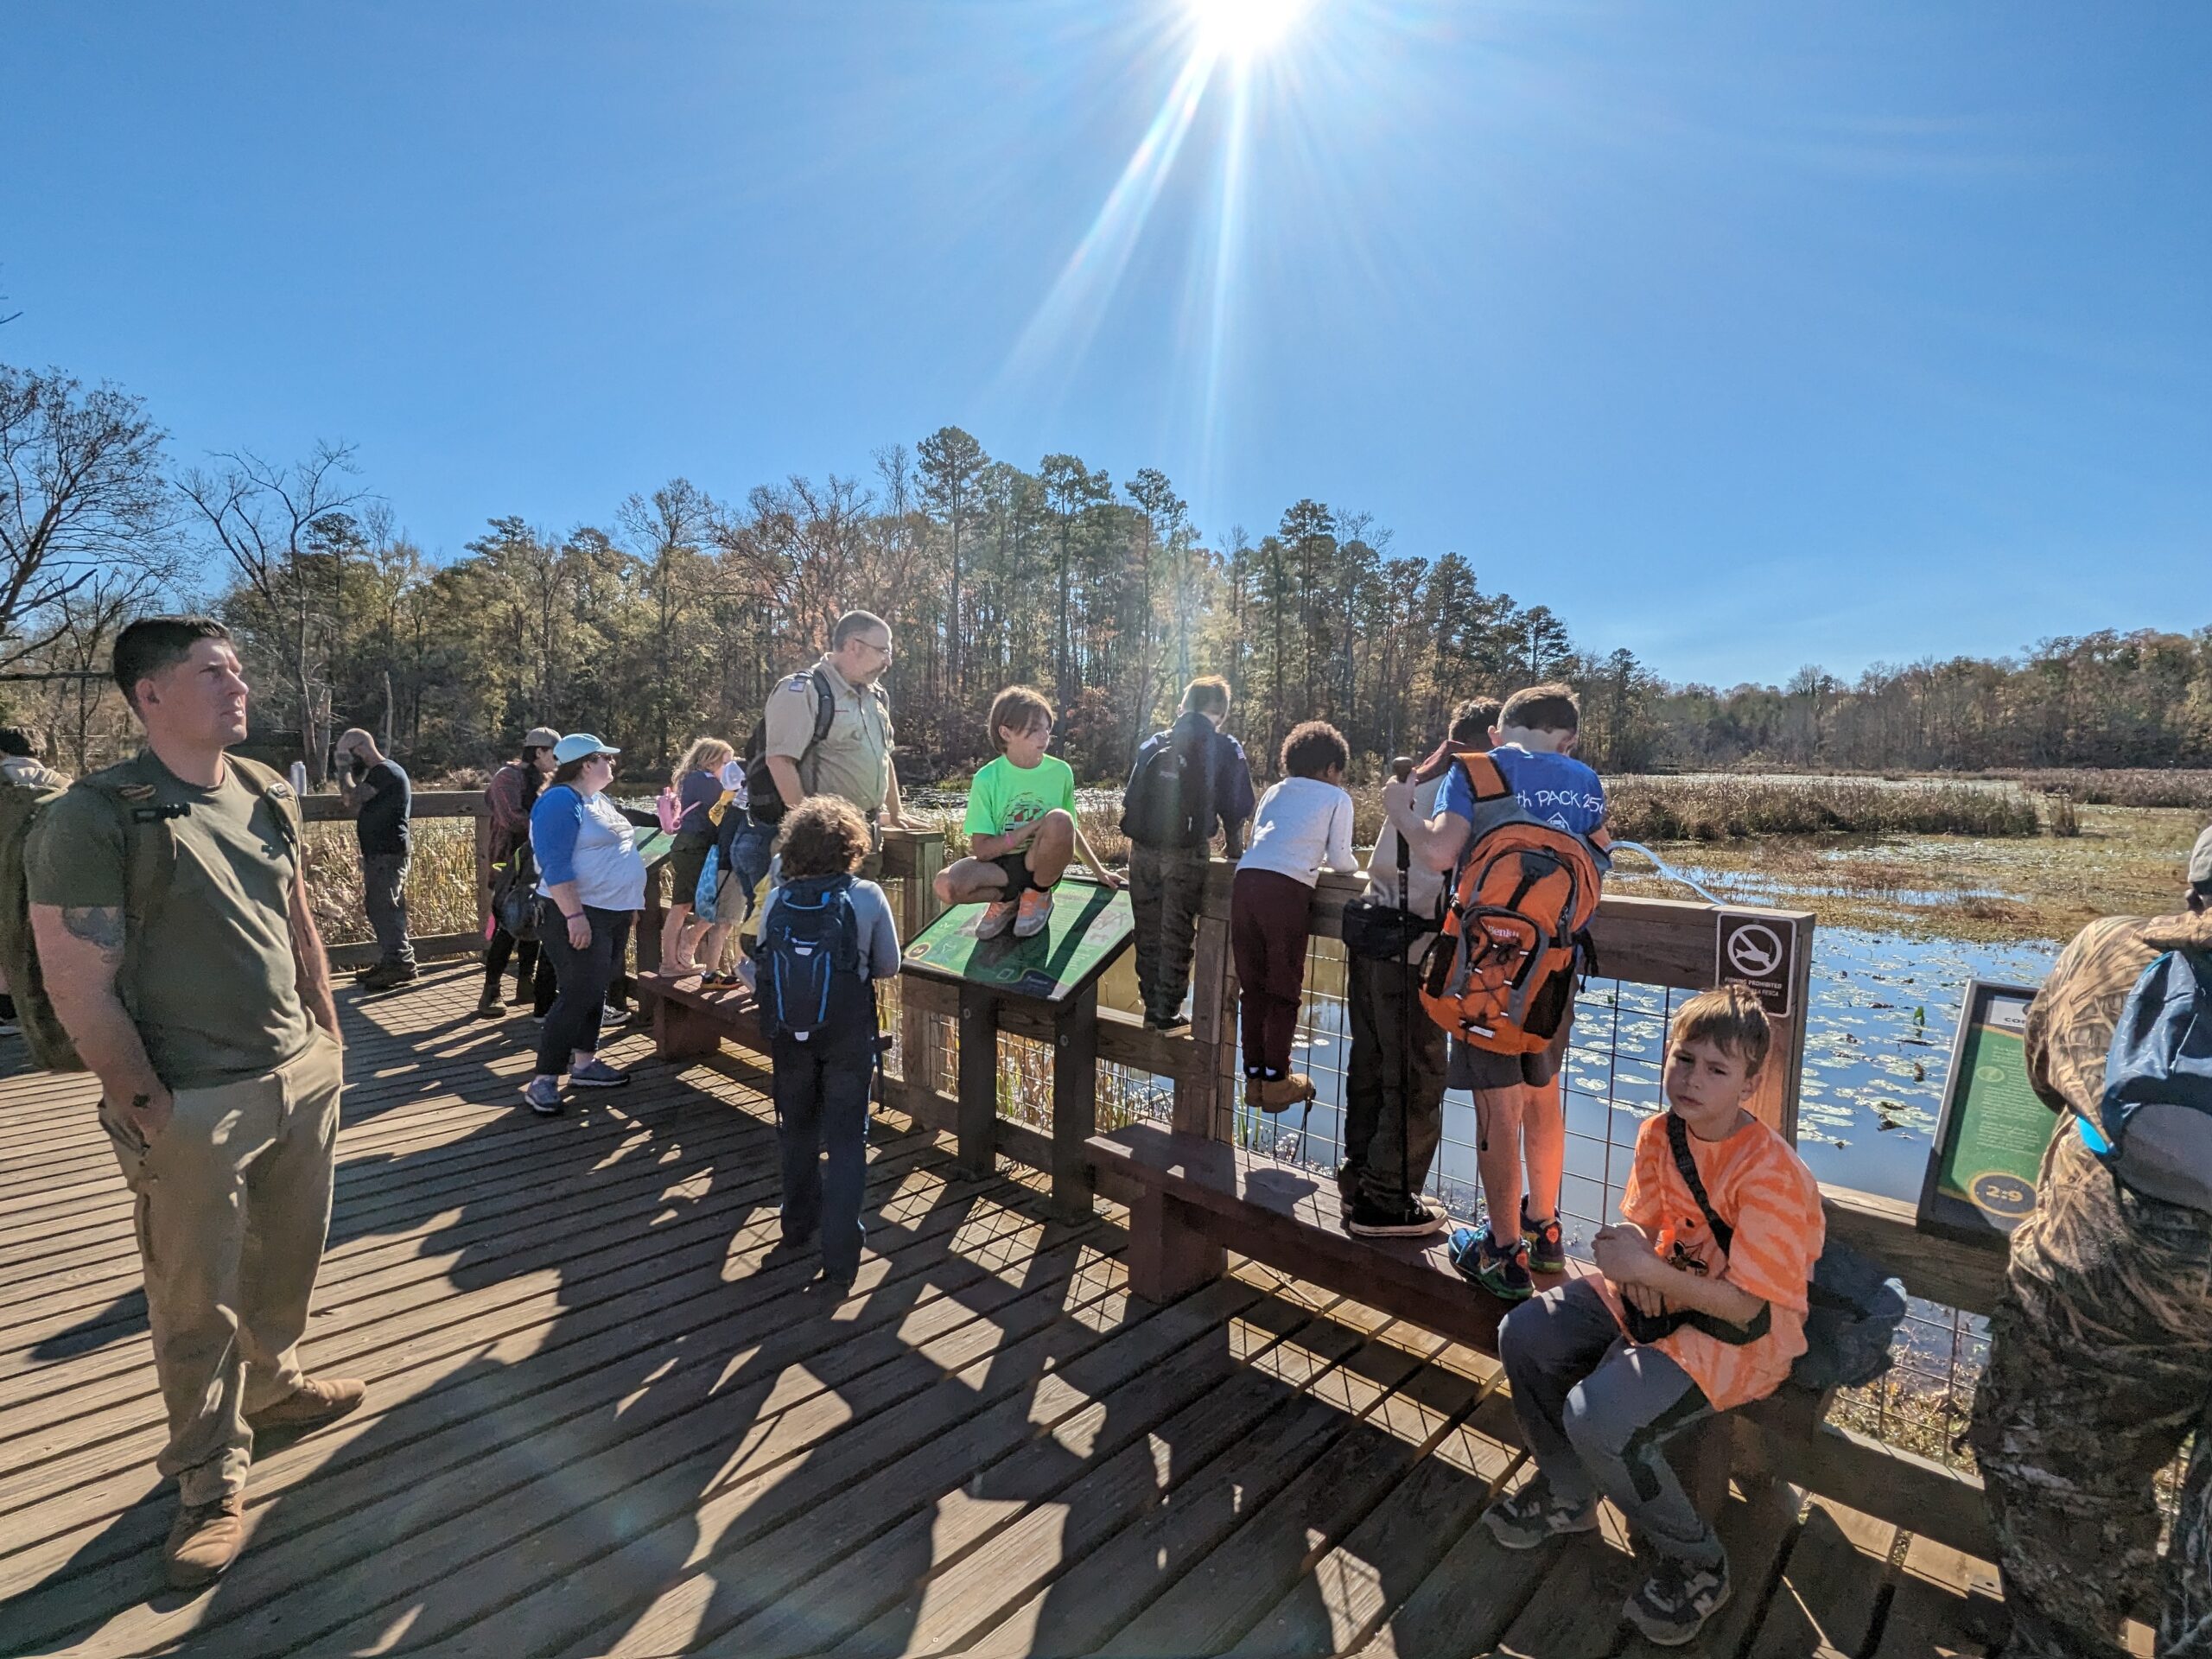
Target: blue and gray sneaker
(1503, 1273)
(544, 1095)
(1533, 1515)
(1677, 1599)
(596, 1073)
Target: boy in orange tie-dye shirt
(1720, 1313)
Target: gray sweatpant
(383, 895)
(1594, 1409)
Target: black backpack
(764, 802)
(808, 956)
(1169, 802)
(514, 894)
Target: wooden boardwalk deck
(603, 1419)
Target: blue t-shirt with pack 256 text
(1554, 789)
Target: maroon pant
(1266, 934)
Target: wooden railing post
(1205, 1091)
(916, 856)
(483, 817)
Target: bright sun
(1243, 28)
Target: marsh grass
(441, 880)
(2124, 787)
(1708, 808)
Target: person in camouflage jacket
(2101, 1349)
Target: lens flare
(1243, 28)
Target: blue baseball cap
(577, 745)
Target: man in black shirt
(376, 790)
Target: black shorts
(686, 859)
(1470, 1067)
(1018, 878)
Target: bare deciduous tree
(81, 493)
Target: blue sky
(1743, 335)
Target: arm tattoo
(96, 924)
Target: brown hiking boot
(204, 1540)
(317, 1401)
(1279, 1093)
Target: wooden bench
(689, 1021)
(1193, 1200)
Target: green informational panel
(652, 846)
(1090, 927)
(1989, 1145)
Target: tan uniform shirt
(854, 757)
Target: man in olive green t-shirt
(202, 1001)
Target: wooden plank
(1352, 1588)
(1826, 1604)
(1068, 1430)
(1219, 1600)
(1327, 1388)
(1132, 1443)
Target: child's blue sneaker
(1503, 1273)
(1533, 1516)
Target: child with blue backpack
(826, 937)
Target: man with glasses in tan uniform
(169, 905)
(852, 756)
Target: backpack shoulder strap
(273, 787)
(1678, 1142)
(1487, 781)
(825, 707)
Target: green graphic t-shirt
(1004, 796)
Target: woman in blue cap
(591, 884)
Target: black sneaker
(389, 976)
(1676, 1600)
(1347, 1183)
(490, 1008)
(1503, 1273)
(1412, 1218)
(1546, 1244)
(1532, 1516)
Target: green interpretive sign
(1089, 926)
(1989, 1145)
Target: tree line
(675, 616)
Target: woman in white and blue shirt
(591, 883)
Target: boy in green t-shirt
(1022, 832)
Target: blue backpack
(808, 956)
(710, 878)
(2154, 1124)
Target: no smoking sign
(1753, 951)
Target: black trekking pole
(1402, 768)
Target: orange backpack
(1513, 927)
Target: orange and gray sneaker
(1279, 1093)
(1036, 911)
(997, 918)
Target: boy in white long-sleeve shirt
(1303, 826)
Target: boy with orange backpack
(1521, 828)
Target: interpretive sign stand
(1989, 1143)
(1057, 970)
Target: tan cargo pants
(234, 1202)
